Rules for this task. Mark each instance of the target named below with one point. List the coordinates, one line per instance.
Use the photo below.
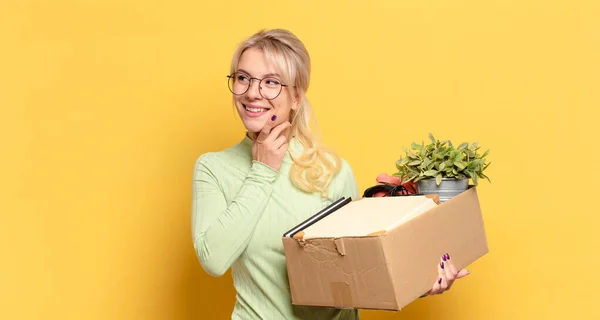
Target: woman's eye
(242, 78)
(272, 82)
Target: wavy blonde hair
(313, 169)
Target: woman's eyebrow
(271, 75)
(264, 76)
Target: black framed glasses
(269, 87)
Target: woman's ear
(296, 101)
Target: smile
(255, 110)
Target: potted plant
(441, 168)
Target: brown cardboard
(370, 261)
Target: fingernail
(442, 265)
(440, 281)
(444, 257)
(273, 118)
(447, 256)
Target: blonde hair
(314, 169)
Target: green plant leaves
(459, 157)
(400, 162)
(442, 166)
(430, 173)
(460, 165)
(423, 152)
(438, 179)
(432, 138)
(486, 177)
(439, 159)
(426, 163)
(485, 167)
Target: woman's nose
(254, 90)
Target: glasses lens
(270, 88)
(239, 83)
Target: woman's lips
(254, 111)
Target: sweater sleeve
(220, 231)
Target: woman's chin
(254, 126)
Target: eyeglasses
(269, 87)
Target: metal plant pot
(449, 187)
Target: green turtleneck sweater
(241, 209)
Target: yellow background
(105, 106)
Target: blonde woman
(279, 174)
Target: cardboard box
(382, 253)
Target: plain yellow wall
(105, 106)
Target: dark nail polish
(447, 256)
(444, 257)
(440, 281)
(273, 118)
(442, 265)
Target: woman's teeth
(256, 110)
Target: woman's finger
(266, 130)
(283, 147)
(449, 269)
(436, 289)
(279, 142)
(437, 285)
(463, 273)
(450, 264)
(442, 281)
(276, 131)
